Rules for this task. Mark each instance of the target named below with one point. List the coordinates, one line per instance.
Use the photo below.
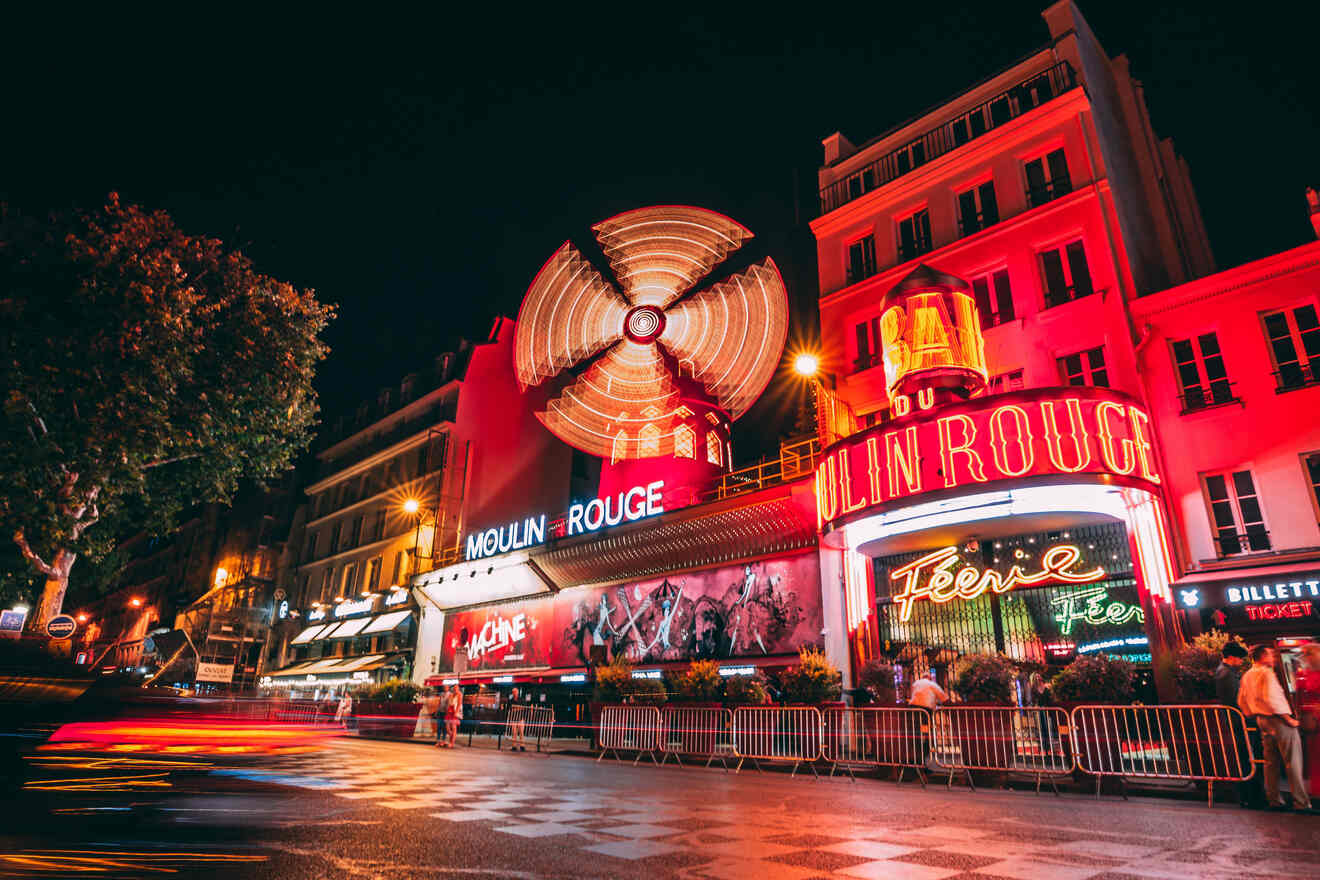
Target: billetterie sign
(1089, 433)
(637, 503)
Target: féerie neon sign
(1092, 606)
(944, 585)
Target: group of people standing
(1283, 726)
(443, 709)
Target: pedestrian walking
(1261, 696)
(517, 723)
(1228, 681)
(454, 714)
(927, 693)
(426, 720)
(441, 717)
(1308, 706)
(345, 710)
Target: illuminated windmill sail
(653, 344)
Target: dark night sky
(419, 171)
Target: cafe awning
(308, 634)
(387, 622)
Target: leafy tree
(144, 370)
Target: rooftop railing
(1027, 95)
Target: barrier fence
(1029, 740)
(633, 728)
(1189, 743)
(697, 733)
(1199, 743)
(885, 737)
(767, 733)
(529, 722)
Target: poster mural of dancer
(752, 610)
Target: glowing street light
(806, 365)
(82, 618)
(135, 602)
(410, 506)
(221, 575)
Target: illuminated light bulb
(135, 602)
(410, 506)
(221, 575)
(807, 365)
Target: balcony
(1048, 192)
(1197, 397)
(987, 116)
(1298, 374)
(1231, 543)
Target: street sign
(61, 626)
(218, 672)
(12, 621)
(279, 594)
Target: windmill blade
(622, 406)
(570, 313)
(729, 337)
(659, 253)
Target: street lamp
(410, 506)
(806, 365)
(221, 575)
(135, 602)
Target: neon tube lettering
(999, 440)
(1102, 415)
(873, 469)
(898, 458)
(846, 501)
(943, 585)
(1081, 443)
(827, 497)
(948, 450)
(1091, 606)
(1141, 439)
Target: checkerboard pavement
(718, 840)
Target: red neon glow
(1043, 432)
(642, 339)
(1279, 610)
(943, 585)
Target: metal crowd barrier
(1194, 743)
(697, 733)
(877, 737)
(535, 722)
(1009, 739)
(636, 728)
(767, 733)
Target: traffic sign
(61, 626)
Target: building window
(1067, 275)
(349, 584)
(648, 441)
(356, 535)
(914, 235)
(1201, 372)
(994, 298)
(1235, 513)
(1085, 368)
(619, 448)
(378, 526)
(1312, 464)
(1047, 178)
(334, 537)
(423, 459)
(327, 581)
(868, 345)
(685, 442)
(714, 451)
(311, 547)
(1010, 381)
(909, 157)
(977, 208)
(1294, 336)
(861, 183)
(861, 259)
(373, 574)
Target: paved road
(395, 810)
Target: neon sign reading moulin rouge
(1004, 436)
(943, 585)
(637, 503)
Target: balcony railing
(861, 271)
(867, 361)
(914, 249)
(1002, 108)
(1255, 540)
(1039, 195)
(976, 222)
(1296, 375)
(1063, 295)
(1217, 393)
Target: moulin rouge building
(1055, 430)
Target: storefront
(1028, 523)
(1267, 605)
(348, 645)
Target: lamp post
(833, 417)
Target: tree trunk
(52, 596)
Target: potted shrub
(813, 681)
(610, 681)
(700, 683)
(875, 682)
(1194, 665)
(985, 679)
(646, 692)
(883, 732)
(1094, 678)
(387, 708)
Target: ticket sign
(62, 626)
(1086, 433)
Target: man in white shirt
(927, 693)
(1260, 695)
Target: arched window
(648, 441)
(619, 447)
(685, 442)
(714, 448)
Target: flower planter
(386, 719)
